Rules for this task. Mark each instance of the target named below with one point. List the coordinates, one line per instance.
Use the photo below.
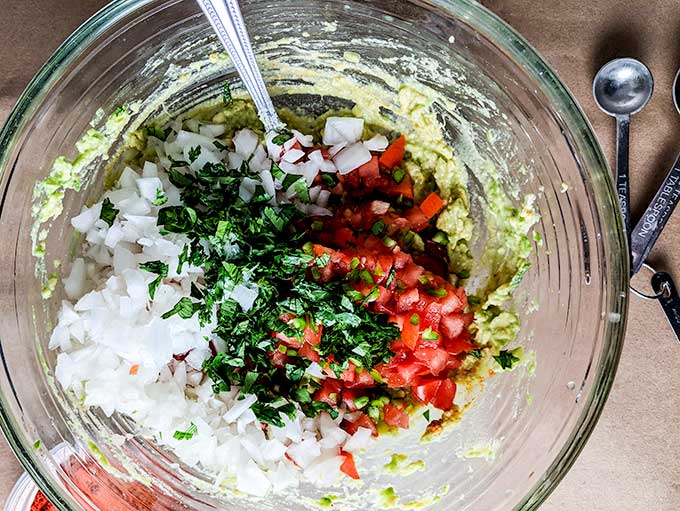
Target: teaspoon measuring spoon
(621, 88)
(227, 22)
(648, 229)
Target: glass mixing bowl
(527, 427)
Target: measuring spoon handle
(622, 181)
(656, 215)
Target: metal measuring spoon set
(621, 88)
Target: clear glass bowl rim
(512, 44)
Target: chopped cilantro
(506, 359)
(426, 414)
(227, 100)
(119, 110)
(108, 213)
(194, 153)
(160, 199)
(185, 308)
(160, 269)
(476, 353)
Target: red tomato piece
(312, 335)
(329, 392)
(409, 276)
(439, 392)
(278, 359)
(407, 299)
(431, 205)
(416, 218)
(434, 358)
(409, 332)
(452, 325)
(362, 380)
(404, 189)
(370, 168)
(395, 417)
(458, 345)
(432, 315)
(307, 351)
(394, 154)
(451, 303)
(291, 342)
(349, 396)
(348, 467)
(363, 421)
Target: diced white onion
(342, 129)
(352, 157)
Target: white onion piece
(358, 440)
(288, 144)
(245, 142)
(150, 169)
(332, 151)
(291, 168)
(324, 196)
(268, 185)
(293, 155)
(212, 130)
(234, 160)
(314, 193)
(245, 296)
(246, 190)
(188, 139)
(274, 150)
(352, 157)
(74, 284)
(87, 217)
(342, 129)
(377, 143)
(305, 140)
(149, 187)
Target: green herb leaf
(160, 269)
(506, 359)
(398, 175)
(227, 100)
(185, 308)
(282, 137)
(160, 199)
(194, 153)
(426, 414)
(108, 213)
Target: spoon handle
(622, 181)
(227, 21)
(656, 215)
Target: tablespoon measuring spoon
(621, 88)
(227, 22)
(649, 228)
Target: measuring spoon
(621, 88)
(648, 229)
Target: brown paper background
(632, 460)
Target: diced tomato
(434, 358)
(416, 218)
(308, 352)
(348, 467)
(451, 303)
(347, 375)
(396, 417)
(403, 189)
(407, 299)
(278, 359)
(362, 380)
(329, 392)
(458, 345)
(410, 332)
(404, 372)
(363, 421)
(432, 315)
(439, 392)
(431, 205)
(349, 396)
(394, 154)
(321, 250)
(312, 334)
(370, 168)
(452, 325)
(291, 342)
(134, 369)
(409, 276)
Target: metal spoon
(227, 21)
(621, 88)
(658, 212)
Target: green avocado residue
(37, 444)
(97, 453)
(399, 465)
(387, 498)
(426, 501)
(327, 501)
